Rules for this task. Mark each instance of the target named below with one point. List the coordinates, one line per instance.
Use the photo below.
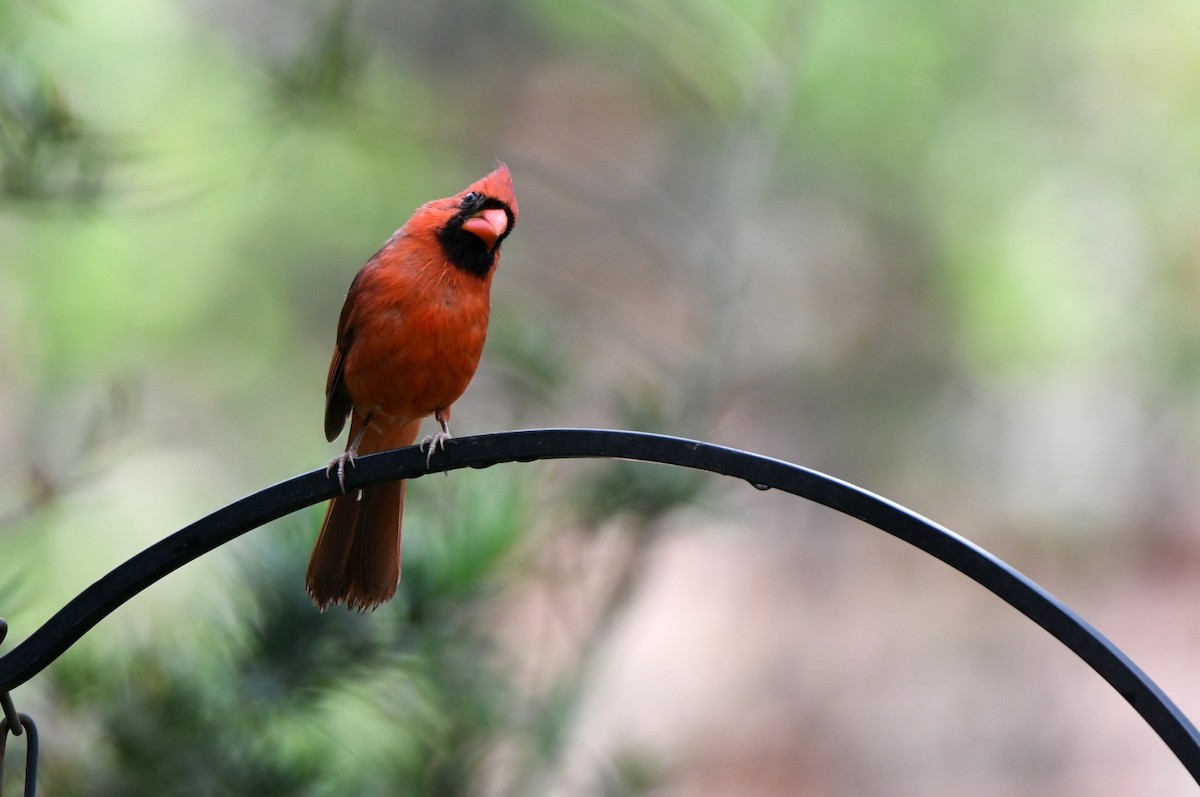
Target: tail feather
(328, 574)
(356, 560)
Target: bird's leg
(349, 455)
(437, 439)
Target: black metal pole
(100, 599)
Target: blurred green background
(947, 251)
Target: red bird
(408, 342)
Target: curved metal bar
(103, 597)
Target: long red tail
(356, 560)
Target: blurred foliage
(536, 363)
(47, 152)
(639, 490)
(44, 151)
(327, 68)
(290, 701)
(950, 250)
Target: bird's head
(471, 225)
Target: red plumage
(408, 342)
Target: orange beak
(489, 225)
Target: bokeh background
(948, 251)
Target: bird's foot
(339, 463)
(433, 442)
(349, 455)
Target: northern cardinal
(408, 342)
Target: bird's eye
(471, 199)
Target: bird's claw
(340, 463)
(433, 441)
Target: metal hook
(6, 704)
(11, 718)
(31, 751)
